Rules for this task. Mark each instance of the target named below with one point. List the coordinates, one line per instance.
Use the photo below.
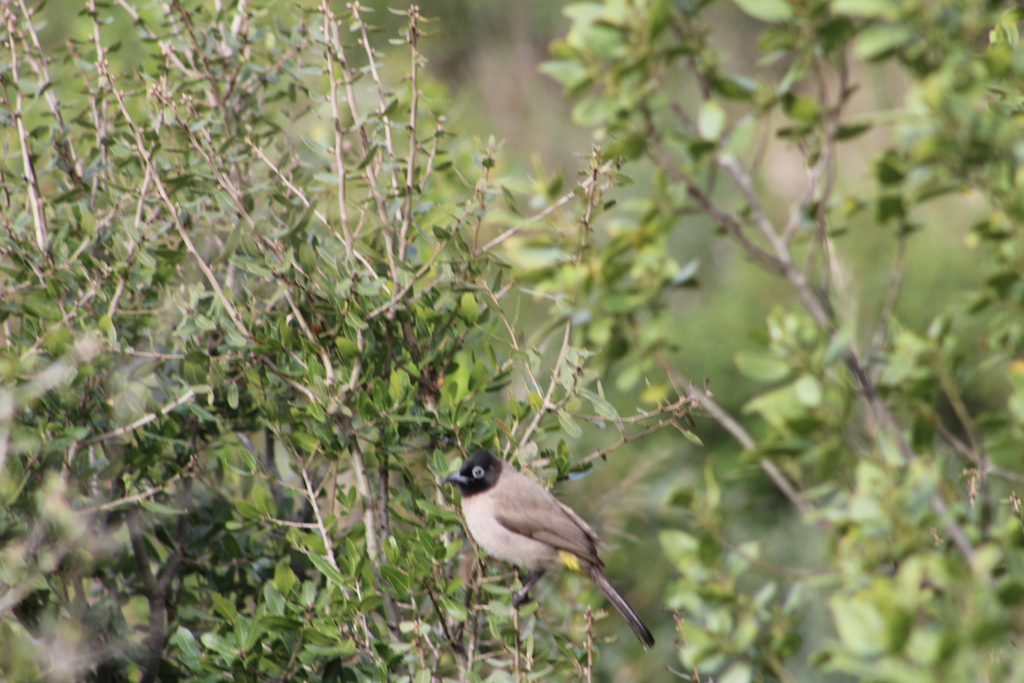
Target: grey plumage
(518, 521)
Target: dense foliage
(258, 295)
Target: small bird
(518, 521)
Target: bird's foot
(520, 597)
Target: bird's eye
(478, 472)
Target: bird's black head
(479, 473)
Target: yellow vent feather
(570, 559)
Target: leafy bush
(257, 297)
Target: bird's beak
(456, 478)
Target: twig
(629, 438)
(881, 335)
(324, 356)
(311, 497)
(590, 644)
(703, 398)
(547, 406)
(148, 493)
(518, 645)
(144, 420)
(331, 38)
(35, 198)
(410, 172)
(365, 496)
(537, 218)
(782, 256)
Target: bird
(518, 521)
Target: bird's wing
(537, 514)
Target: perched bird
(518, 521)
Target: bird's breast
(501, 542)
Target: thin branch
(782, 256)
(881, 335)
(673, 420)
(684, 387)
(547, 406)
(365, 497)
(410, 172)
(336, 49)
(63, 148)
(339, 130)
(702, 397)
(148, 493)
(983, 464)
(324, 356)
(144, 420)
(294, 384)
(35, 198)
(537, 218)
(320, 526)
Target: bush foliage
(258, 295)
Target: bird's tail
(629, 614)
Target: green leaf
(852, 130)
(679, 546)
(569, 73)
(860, 626)
(279, 624)
(740, 672)
(777, 407)
(468, 308)
(878, 41)
(455, 610)
(761, 366)
(273, 598)
(711, 120)
(890, 207)
(325, 568)
(247, 510)
(801, 108)
(224, 607)
(771, 11)
(690, 436)
(307, 258)
(263, 501)
(59, 341)
(348, 349)
(865, 8)
(808, 390)
(186, 642)
(396, 577)
(214, 642)
(248, 459)
(569, 426)
(160, 508)
(304, 441)
(284, 577)
(601, 406)
(594, 111)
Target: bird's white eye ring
(478, 472)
